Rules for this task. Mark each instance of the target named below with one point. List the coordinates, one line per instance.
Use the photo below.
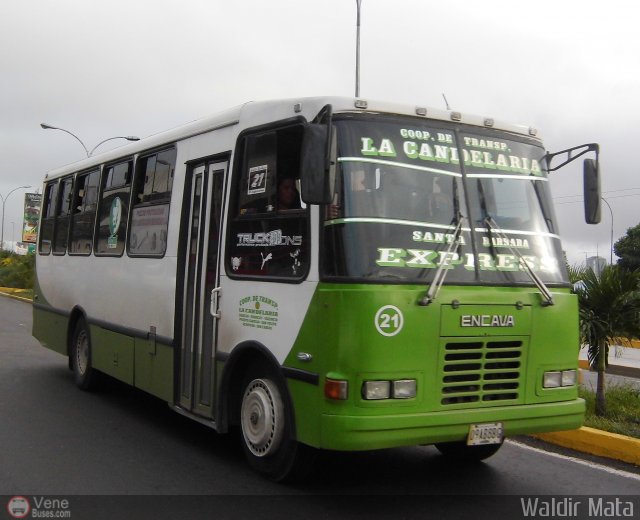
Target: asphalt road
(56, 440)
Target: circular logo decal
(18, 507)
(115, 215)
(389, 320)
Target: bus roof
(256, 113)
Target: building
(596, 263)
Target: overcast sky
(138, 67)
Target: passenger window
(155, 177)
(61, 228)
(113, 214)
(151, 202)
(84, 213)
(258, 186)
(48, 217)
(269, 227)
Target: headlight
(372, 390)
(404, 389)
(552, 379)
(569, 377)
(560, 378)
(398, 389)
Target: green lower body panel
(348, 432)
(153, 371)
(144, 363)
(112, 353)
(50, 329)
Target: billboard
(32, 202)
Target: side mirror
(315, 158)
(314, 173)
(592, 196)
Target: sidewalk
(624, 366)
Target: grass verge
(623, 410)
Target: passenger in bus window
(441, 201)
(288, 196)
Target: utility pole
(358, 3)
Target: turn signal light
(335, 389)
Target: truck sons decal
(268, 239)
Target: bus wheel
(461, 452)
(267, 433)
(80, 354)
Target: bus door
(201, 288)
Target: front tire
(461, 452)
(80, 354)
(262, 418)
(268, 433)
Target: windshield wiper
(493, 227)
(441, 272)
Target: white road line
(591, 465)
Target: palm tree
(609, 309)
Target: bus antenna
(446, 102)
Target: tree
(609, 309)
(628, 249)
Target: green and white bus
(322, 273)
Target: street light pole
(610, 211)
(358, 2)
(128, 138)
(4, 201)
(45, 126)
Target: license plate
(479, 434)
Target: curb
(612, 369)
(596, 442)
(20, 298)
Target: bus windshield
(400, 190)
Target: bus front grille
(481, 373)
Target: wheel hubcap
(82, 352)
(262, 417)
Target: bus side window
(84, 213)
(268, 235)
(154, 177)
(61, 229)
(151, 202)
(45, 236)
(114, 209)
(257, 186)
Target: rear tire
(267, 431)
(460, 451)
(85, 376)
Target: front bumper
(353, 433)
